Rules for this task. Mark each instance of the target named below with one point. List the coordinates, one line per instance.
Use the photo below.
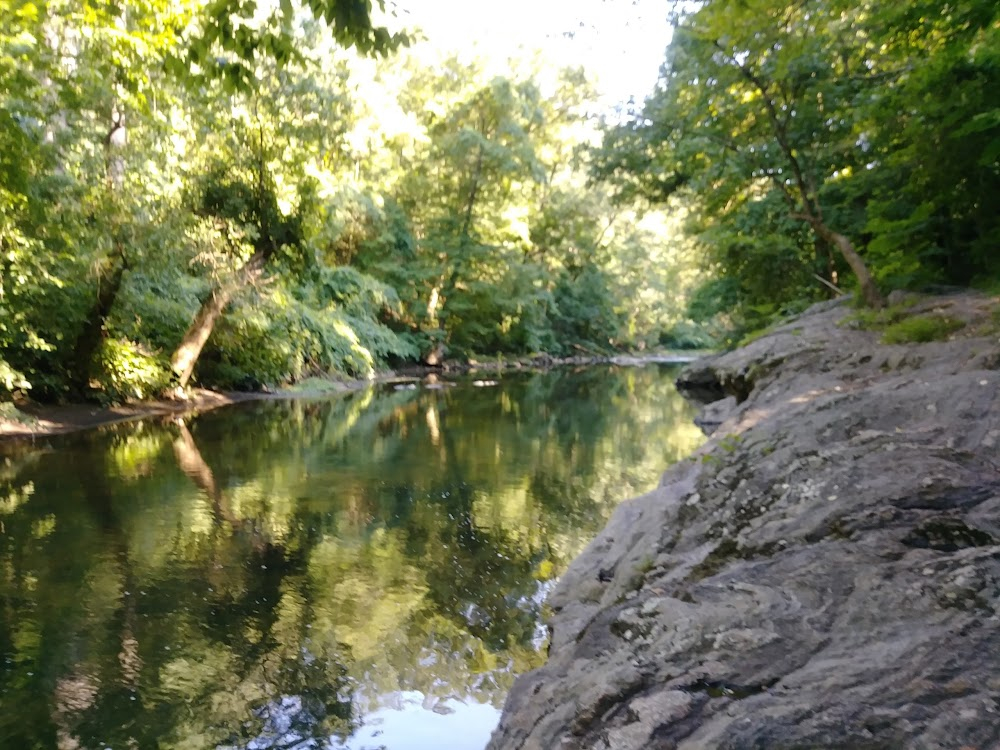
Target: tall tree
(754, 98)
(869, 126)
(480, 156)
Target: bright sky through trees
(620, 42)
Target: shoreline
(43, 420)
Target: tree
(220, 190)
(244, 38)
(931, 180)
(754, 99)
(463, 196)
(868, 125)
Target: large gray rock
(824, 573)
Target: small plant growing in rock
(921, 329)
(730, 443)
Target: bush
(11, 379)
(128, 371)
(583, 315)
(278, 338)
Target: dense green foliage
(214, 192)
(820, 141)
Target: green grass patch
(899, 325)
(921, 329)
(867, 319)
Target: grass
(921, 329)
(867, 319)
(899, 325)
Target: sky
(620, 42)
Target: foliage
(233, 35)
(276, 339)
(129, 372)
(224, 188)
(10, 413)
(900, 325)
(687, 335)
(11, 378)
(877, 320)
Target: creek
(359, 571)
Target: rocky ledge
(824, 573)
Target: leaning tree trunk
(869, 289)
(185, 356)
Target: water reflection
(355, 572)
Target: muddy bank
(823, 573)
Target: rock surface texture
(823, 573)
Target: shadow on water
(360, 571)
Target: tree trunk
(471, 203)
(109, 278)
(185, 356)
(869, 290)
(114, 143)
(89, 340)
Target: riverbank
(32, 420)
(823, 573)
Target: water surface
(361, 571)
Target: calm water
(356, 572)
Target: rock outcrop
(824, 573)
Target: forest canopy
(243, 195)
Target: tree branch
(779, 130)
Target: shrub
(11, 379)
(128, 371)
